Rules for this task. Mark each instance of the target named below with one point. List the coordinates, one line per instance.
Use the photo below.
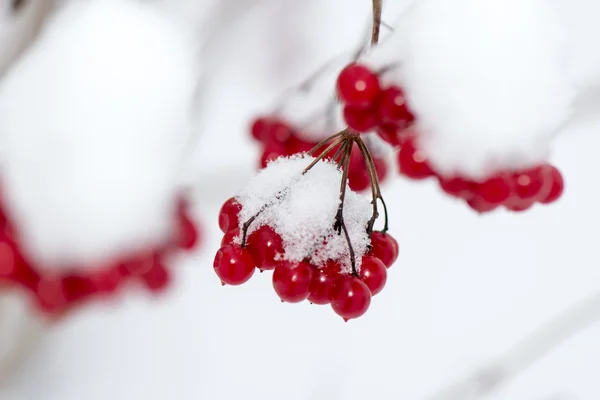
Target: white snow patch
(487, 80)
(313, 109)
(93, 122)
(302, 209)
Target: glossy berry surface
(360, 119)
(234, 265)
(230, 236)
(412, 162)
(384, 247)
(357, 86)
(265, 245)
(495, 190)
(529, 184)
(228, 216)
(349, 297)
(556, 183)
(389, 133)
(393, 109)
(291, 281)
(322, 281)
(373, 273)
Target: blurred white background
(464, 289)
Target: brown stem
(377, 9)
(324, 142)
(324, 154)
(338, 157)
(339, 224)
(375, 189)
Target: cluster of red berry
(370, 107)
(349, 295)
(278, 138)
(55, 293)
(515, 190)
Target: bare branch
(377, 10)
(531, 349)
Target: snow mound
(487, 81)
(302, 210)
(94, 119)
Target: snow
(488, 81)
(93, 125)
(464, 289)
(302, 209)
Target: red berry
(360, 119)
(265, 245)
(557, 185)
(389, 133)
(25, 275)
(495, 190)
(529, 183)
(296, 145)
(8, 260)
(373, 272)
(384, 247)
(480, 205)
(457, 187)
(77, 287)
(234, 265)
(412, 162)
(157, 278)
(322, 281)
(381, 168)
(229, 215)
(229, 236)
(272, 152)
(291, 281)
(107, 279)
(260, 128)
(358, 180)
(393, 108)
(50, 294)
(188, 234)
(279, 132)
(357, 86)
(350, 297)
(139, 264)
(518, 205)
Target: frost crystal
(302, 210)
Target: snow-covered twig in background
(18, 28)
(534, 347)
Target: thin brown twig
(377, 10)
(339, 154)
(325, 141)
(375, 188)
(340, 226)
(333, 145)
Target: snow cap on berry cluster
(302, 210)
(94, 119)
(486, 80)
